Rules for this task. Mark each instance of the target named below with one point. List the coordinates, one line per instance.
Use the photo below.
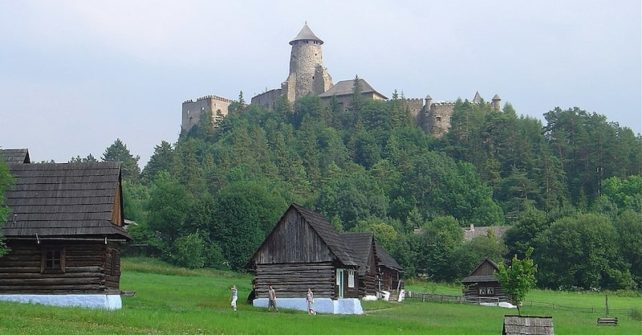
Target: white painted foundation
(321, 305)
(99, 301)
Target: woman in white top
(310, 299)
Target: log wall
(293, 280)
(471, 292)
(84, 271)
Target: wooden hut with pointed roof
(482, 284)
(64, 233)
(390, 272)
(362, 246)
(304, 251)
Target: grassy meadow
(172, 300)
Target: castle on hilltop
(309, 77)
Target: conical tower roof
(477, 98)
(306, 34)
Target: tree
(581, 251)
(118, 152)
(161, 160)
(5, 182)
(89, 159)
(437, 245)
(518, 278)
(629, 229)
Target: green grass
(172, 300)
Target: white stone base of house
(100, 301)
(321, 305)
(498, 304)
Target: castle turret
(307, 74)
(496, 102)
(477, 99)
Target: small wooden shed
(64, 232)
(482, 284)
(362, 246)
(528, 325)
(390, 272)
(305, 251)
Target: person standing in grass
(234, 296)
(310, 299)
(272, 299)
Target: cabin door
(340, 283)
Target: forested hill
(211, 198)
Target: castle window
(439, 119)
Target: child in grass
(234, 297)
(272, 298)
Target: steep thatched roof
(385, 259)
(15, 155)
(528, 325)
(65, 200)
(360, 245)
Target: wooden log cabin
(390, 272)
(362, 246)
(64, 234)
(304, 251)
(482, 285)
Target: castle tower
(496, 102)
(307, 74)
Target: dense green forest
(570, 188)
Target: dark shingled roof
(360, 244)
(63, 200)
(480, 279)
(346, 87)
(327, 233)
(528, 325)
(15, 155)
(385, 259)
(306, 34)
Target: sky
(76, 75)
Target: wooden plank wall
(293, 280)
(20, 270)
(293, 241)
(471, 292)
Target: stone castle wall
(415, 107)
(267, 99)
(193, 110)
(437, 119)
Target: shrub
(189, 251)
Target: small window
(486, 291)
(351, 279)
(439, 119)
(53, 260)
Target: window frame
(46, 260)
